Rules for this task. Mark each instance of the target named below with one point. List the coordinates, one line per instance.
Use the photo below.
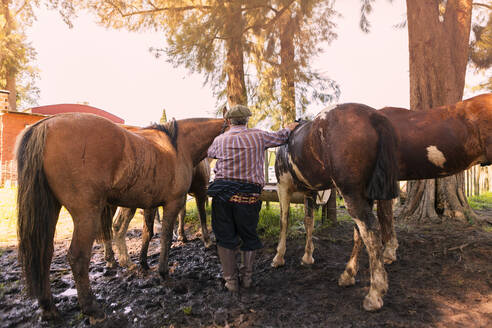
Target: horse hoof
(164, 274)
(307, 260)
(111, 264)
(277, 261)
(346, 280)
(208, 243)
(389, 257)
(183, 239)
(144, 266)
(51, 315)
(93, 320)
(372, 303)
(129, 265)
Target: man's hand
(292, 126)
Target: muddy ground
(443, 278)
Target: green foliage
(163, 117)
(269, 224)
(481, 202)
(187, 310)
(481, 50)
(16, 53)
(308, 23)
(200, 35)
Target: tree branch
(482, 5)
(156, 9)
(272, 21)
(20, 8)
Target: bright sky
(114, 71)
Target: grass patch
(8, 220)
(269, 224)
(481, 202)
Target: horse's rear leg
(284, 191)
(347, 278)
(120, 228)
(309, 200)
(171, 210)
(361, 211)
(45, 300)
(108, 248)
(202, 214)
(147, 234)
(181, 223)
(79, 255)
(386, 221)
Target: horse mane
(169, 128)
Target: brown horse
(87, 164)
(350, 147)
(433, 143)
(123, 216)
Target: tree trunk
(10, 77)
(11, 87)
(438, 48)
(287, 57)
(234, 65)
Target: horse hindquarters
(37, 213)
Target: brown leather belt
(244, 199)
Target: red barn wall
(11, 125)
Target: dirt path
(443, 278)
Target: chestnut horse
(123, 216)
(350, 147)
(433, 143)
(87, 164)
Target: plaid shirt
(240, 152)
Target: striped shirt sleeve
(274, 139)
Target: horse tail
(384, 181)
(37, 209)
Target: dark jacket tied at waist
(225, 189)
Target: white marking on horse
(435, 156)
(298, 172)
(322, 137)
(324, 113)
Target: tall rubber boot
(229, 267)
(246, 268)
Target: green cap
(238, 111)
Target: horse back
(87, 156)
(436, 142)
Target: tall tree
(17, 75)
(213, 37)
(282, 57)
(438, 33)
(438, 36)
(204, 36)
